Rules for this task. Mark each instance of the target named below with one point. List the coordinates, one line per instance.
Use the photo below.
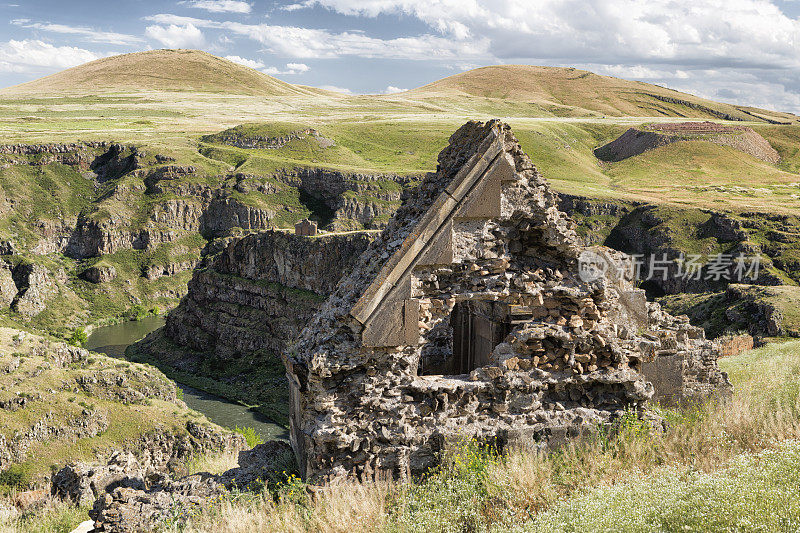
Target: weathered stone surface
(730, 345)
(8, 289)
(265, 288)
(100, 274)
(136, 505)
(539, 353)
(155, 455)
(36, 287)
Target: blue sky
(740, 51)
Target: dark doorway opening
(476, 328)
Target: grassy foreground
(730, 467)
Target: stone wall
(544, 354)
(730, 345)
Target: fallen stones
(127, 502)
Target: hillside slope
(573, 92)
(160, 70)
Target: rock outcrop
(64, 404)
(260, 291)
(129, 497)
(352, 200)
(478, 314)
(636, 141)
(244, 308)
(36, 286)
(100, 273)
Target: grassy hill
(571, 92)
(160, 70)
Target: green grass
(57, 399)
(755, 492)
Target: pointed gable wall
(467, 318)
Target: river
(113, 340)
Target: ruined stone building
(468, 317)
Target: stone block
(395, 324)
(666, 375)
(440, 250)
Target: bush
(137, 312)
(78, 337)
(15, 477)
(250, 435)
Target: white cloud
(25, 55)
(298, 67)
(336, 89)
(736, 31)
(291, 68)
(296, 42)
(252, 63)
(220, 6)
(391, 89)
(88, 34)
(174, 36)
(654, 40)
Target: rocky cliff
(658, 235)
(246, 305)
(112, 226)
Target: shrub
(15, 477)
(137, 312)
(78, 337)
(250, 435)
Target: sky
(738, 51)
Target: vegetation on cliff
(60, 404)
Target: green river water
(113, 340)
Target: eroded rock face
(264, 288)
(130, 502)
(100, 274)
(36, 287)
(8, 289)
(477, 313)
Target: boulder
(139, 505)
(82, 483)
(100, 274)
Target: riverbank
(199, 394)
(256, 380)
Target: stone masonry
(468, 317)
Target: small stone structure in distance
(305, 228)
(467, 318)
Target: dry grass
(710, 452)
(477, 491)
(51, 516)
(213, 463)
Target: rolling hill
(160, 71)
(572, 92)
